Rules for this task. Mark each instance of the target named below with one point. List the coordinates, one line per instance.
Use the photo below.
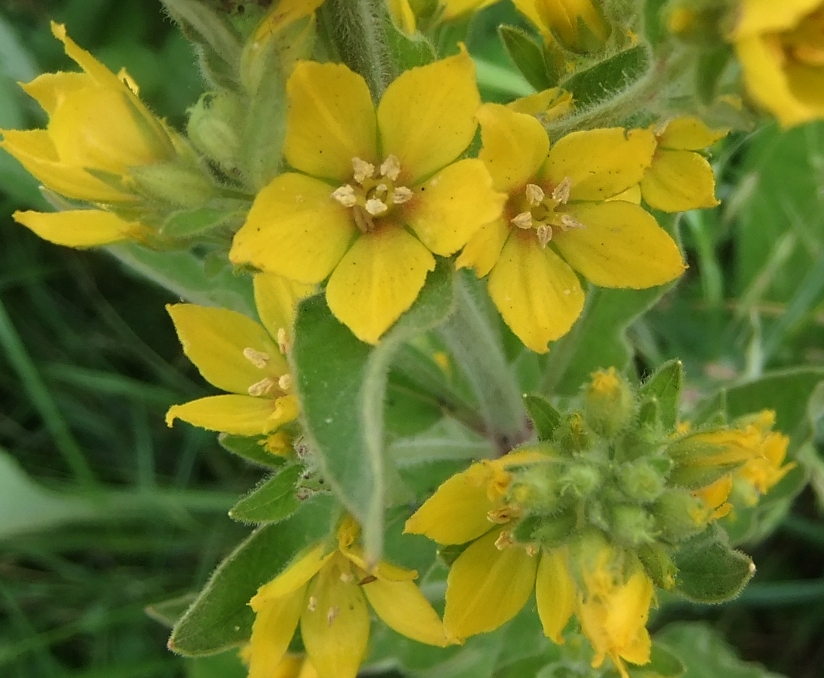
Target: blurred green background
(104, 511)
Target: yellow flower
(559, 219)
(291, 666)
(82, 228)
(403, 12)
(493, 578)
(97, 127)
(238, 355)
(578, 24)
(781, 49)
(548, 105)
(363, 178)
(679, 178)
(325, 590)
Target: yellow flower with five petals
(375, 193)
(239, 355)
(326, 590)
(781, 49)
(562, 217)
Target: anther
(531, 550)
(401, 194)
(544, 234)
(347, 577)
(376, 207)
(261, 388)
(345, 195)
(504, 540)
(313, 604)
(332, 614)
(568, 221)
(523, 220)
(258, 358)
(534, 194)
(283, 340)
(499, 516)
(562, 190)
(391, 167)
(362, 169)
(381, 190)
(285, 382)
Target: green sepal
(658, 564)
(527, 55)
(662, 664)
(545, 418)
(710, 67)
(220, 618)
(341, 383)
(709, 570)
(199, 220)
(665, 387)
(696, 477)
(272, 501)
(407, 51)
(608, 78)
(251, 449)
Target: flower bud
(658, 564)
(610, 403)
(215, 124)
(572, 435)
(578, 25)
(581, 480)
(679, 515)
(641, 480)
(536, 489)
(173, 183)
(555, 530)
(631, 525)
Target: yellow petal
(427, 115)
(536, 292)
(530, 11)
(689, 133)
(632, 194)
(35, 150)
(276, 299)
(215, 340)
(769, 16)
(403, 15)
(335, 623)
(679, 181)
(377, 280)
(295, 576)
(453, 9)
(555, 594)
(767, 81)
(620, 245)
(600, 163)
(48, 89)
(294, 229)
(274, 626)
(286, 12)
(514, 146)
(549, 104)
(484, 248)
(331, 120)
(403, 608)
(236, 414)
(79, 228)
(102, 75)
(383, 570)
(453, 205)
(486, 587)
(457, 512)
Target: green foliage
(709, 571)
(609, 77)
(272, 501)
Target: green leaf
(169, 612)
(342, 385)
(709, 571)
(527, 56)
(190, 223)
(609, 77)
(598, 339)
(221, 618)
(251, 449)
(271, 502)
(705, 653)
(665, 386)
(662, 664)
(545, 418)
(408, 51)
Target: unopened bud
(658, 565)
(631, 525)
(610, 403)
(214, 127)
(555, 530)
(581, 480)
(678, 515)
(175, 184)
(641, 481)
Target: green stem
(356, 29)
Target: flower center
(805, 43)
(272, 386)
(373, 192)
(542, 214)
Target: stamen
(568, 221)
(500, 516)
(283, 340)
(504, 540)
(391, 167)
(332, 614)
(401, 194)
(544, 234)
(347, 577)
(362, 169)
(381, 190)
(531, 550)
(285, 382)
(345, 195)
(313, 604)
(376, 207)
(261, 388)
(258, 358)
(534, 194)
(562, 190)
(523, 220)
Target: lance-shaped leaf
(527, 56)
(608, 78)
(545, 418)
(665, 387)
(342, 386)
(272, 501)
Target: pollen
(562, 191)
(534, 194)
(332, 614)
(391, 167)
(312, 605)
(285, 382)
(283, 340)
(523, 220)
(262, 388)
(345, 195)
(362, 170)
(258, 358)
